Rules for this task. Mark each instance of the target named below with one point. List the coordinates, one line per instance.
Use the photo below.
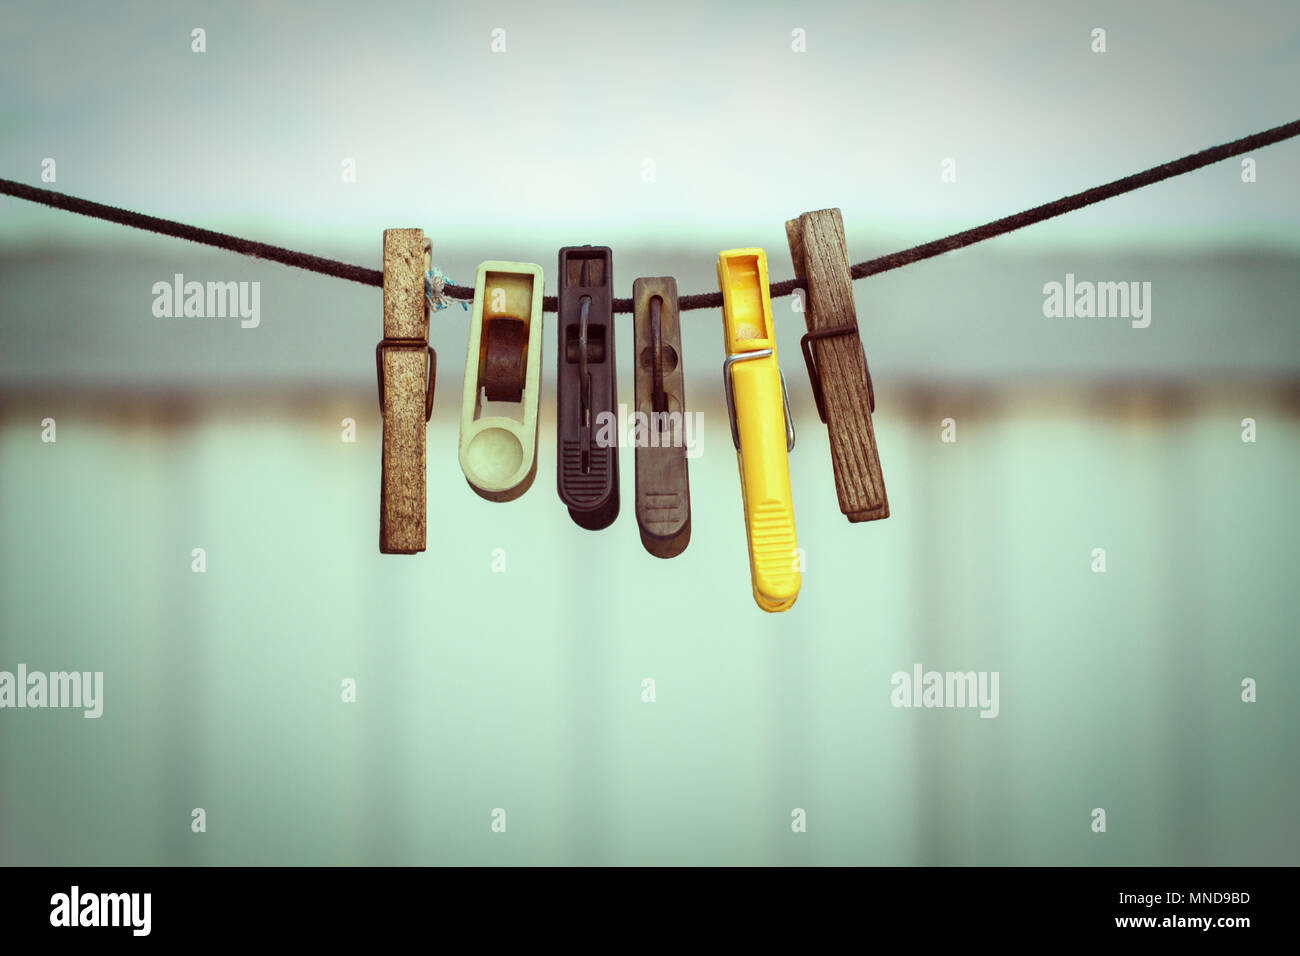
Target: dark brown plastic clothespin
(837, 367)
(406, 367)
(663, 492)
(586, 392)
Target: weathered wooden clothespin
(837, 367)
(406, 367)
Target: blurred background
(669, 133)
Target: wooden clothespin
(837, 367)
(406, 367)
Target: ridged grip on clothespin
(406, 379)
(586, 389)
(838, 367)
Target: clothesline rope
(707, 300)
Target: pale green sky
(547, 141)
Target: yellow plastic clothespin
(761, 427)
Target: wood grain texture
(821, 257)
(402, 521)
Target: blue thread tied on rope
(435, 281)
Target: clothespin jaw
(761, 426)
(586, 391)
(663, 493)
(837, 366)
(406, 368)
(503, 363)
